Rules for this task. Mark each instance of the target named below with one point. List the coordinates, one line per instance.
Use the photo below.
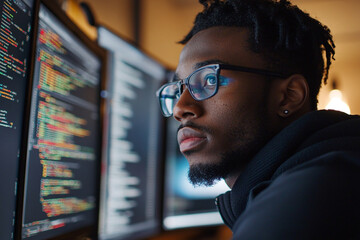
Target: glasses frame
(217, 68)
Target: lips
(189, 139)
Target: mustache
(195, 126)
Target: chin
(206, 174)
(194, 159)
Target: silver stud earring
(286, 111)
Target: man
(245, 94)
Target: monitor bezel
(88, 232)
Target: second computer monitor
(130, 207)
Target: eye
(210, 80)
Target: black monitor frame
(88, 232)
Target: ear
(295, 95)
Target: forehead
(224, 44)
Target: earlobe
(284, 114)
(295, 91)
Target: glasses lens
(203, 83)
(168, 98)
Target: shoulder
(316, 200)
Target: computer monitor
(15, 43)
(130, 197)
(185, 205)
(64, 138)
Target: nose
(187, 107)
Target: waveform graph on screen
(63, 137)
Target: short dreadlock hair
(289, 39)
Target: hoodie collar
(264, 164)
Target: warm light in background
(337, 103)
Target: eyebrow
(176, 78)
(208, 62)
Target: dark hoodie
(304, 184)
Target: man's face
(218, 136)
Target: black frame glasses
(169, 93)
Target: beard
(253, 135)
(231, 162)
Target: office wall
(164, 23)
(342, 18)
(117, 14)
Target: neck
(230, 181)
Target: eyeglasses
(202, 84)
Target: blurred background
(157, 25)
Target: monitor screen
(130, 206)
(63, 150)
(184, 204)
(15, 43)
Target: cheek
(232, 116)
(231, 105)
(223, 119)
